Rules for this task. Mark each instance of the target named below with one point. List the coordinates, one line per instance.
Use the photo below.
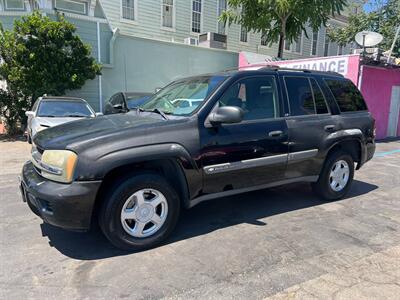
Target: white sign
(336, 64)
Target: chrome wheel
(339, 175)
(144, 213)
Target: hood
(51, 122)
(90, 130)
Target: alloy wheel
(339, 175)
(144, 213)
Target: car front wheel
(336, 176)
(139, 212)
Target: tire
(325, 187)
(125, 196)
(29, 139)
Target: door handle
(276, 133)
(330, 128)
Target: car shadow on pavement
(204, 218)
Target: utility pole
(394, 43)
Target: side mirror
(29, 114)
(226, 115)
(99, 114)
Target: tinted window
(320, 103)
(347, 96)
(135, 101)
(300, 96)
(63, 109)
(111, 106)
(117, 99)
(257, 96)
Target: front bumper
(69, 206)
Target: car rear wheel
(139, 212)
(336, 176)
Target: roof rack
(280, 68)
(249, 66)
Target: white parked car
(51, 111)
(184, 103)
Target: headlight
(58, 165)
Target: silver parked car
(51, 111)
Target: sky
(371, 4)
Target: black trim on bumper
(370, 151)
(68, 206)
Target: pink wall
(376, 87)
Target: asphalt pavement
(279, 243)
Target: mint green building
(145, 44)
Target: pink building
(379, 85)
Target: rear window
(347, 96)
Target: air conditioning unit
(213, 40)
(367, 50)
(191, 41)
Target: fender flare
(148, 153)
(346, 135)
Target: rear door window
(305, 96)
(347, 96)
(320, 103)
(300, 96)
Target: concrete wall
(142, 65)
(376, 87)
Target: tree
(384, 18)
(280, 20)
(41, 56)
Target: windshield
(64, 109)
(183, 97)
(138, 100)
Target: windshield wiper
(160, 112)
(155, 110)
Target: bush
(40, 56)
(12, 109)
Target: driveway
(281, 243)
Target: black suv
(243, 131)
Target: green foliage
(12, 109)
(385, 19)
(41, 56)
(281, 19)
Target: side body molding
(258, 162)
